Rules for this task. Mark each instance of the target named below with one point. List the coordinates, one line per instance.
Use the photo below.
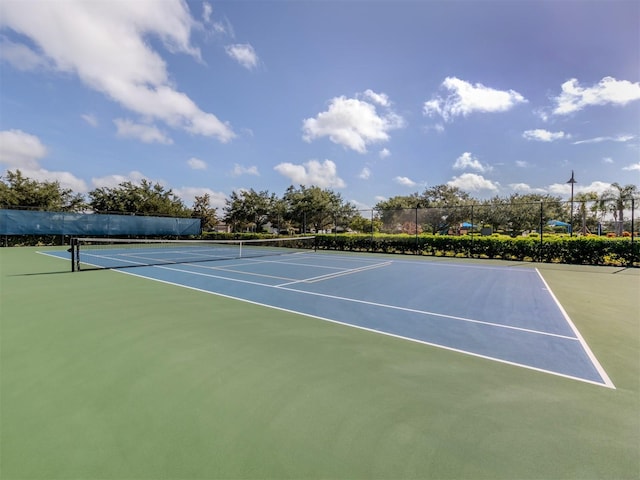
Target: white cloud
(619, 138)
(608, 91)
(20, 150)
(65, 179)
(188, 196)
(564, 189)
(365, 174)
(608, 160)
(23, 151)
(145, 133)
(525, 188)
(438, 128)
(323, 175)
(632, 167)
(542, 113)
(361, 206)
(465, 98)
(467, 160)
(111, 181)
(597, 186)
(207, 10)
(88, 39)
(21, 57)
(384, 153)
(381, 99)
(240, 170)
(196, 164)
(90, 119)
(221, 27)
(471, 182)
(405, 182)
(352, 123)
(542, 135)
(522, 164)
(244, 54)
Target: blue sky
(371, 99)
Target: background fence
(48, 226)
(512, 219)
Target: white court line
(289, 281)
(328, 276)
(374, 304)
(257, 260)
(295, 264)
(232, 270)
(590, 354)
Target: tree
(586, 217)
(143, 199)
(618, 198)
(445, 195)
(202, 209)
(248, 210)
(397, 211)
(447, 206)
(278, 216)
(20, 191)
(361, 224)
(435, 210)
(315, 209)
(518, 213)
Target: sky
(371, 99)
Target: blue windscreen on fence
(27, 222)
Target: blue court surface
(506, 314)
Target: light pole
(572, 180)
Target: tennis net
(96, 253)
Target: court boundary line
(600, 369)
(371, 330)
(608, 383)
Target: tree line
(314, 209)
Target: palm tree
(583, 198)
(618, 198)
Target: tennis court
(316, 365)
(508, 314)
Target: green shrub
(587, 250)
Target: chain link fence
(511, 219)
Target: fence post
(633, 207)
(416, 229)
(472, 225)
(541, 230)
(372, 230)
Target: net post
(77, 254)
(72, 250)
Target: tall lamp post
(572, 180)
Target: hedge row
(553, 249)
